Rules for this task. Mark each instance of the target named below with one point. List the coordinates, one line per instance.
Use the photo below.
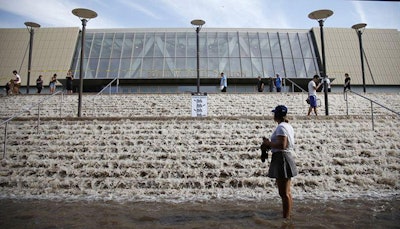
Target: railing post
(61, 103)
(38, 122)
(5, 140)
(372, 115)
(347, 103)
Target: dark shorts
(282, 166)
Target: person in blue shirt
(224, 83)
(278, 83)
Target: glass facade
(172, 54)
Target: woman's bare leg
(286, 196)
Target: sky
(280, 14)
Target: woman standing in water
(282, 166)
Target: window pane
(170, 45)
(191, 45)
(268, 67)
(169, 67)
(278, 66)
(223, 50)
(159, 44)
(92, 68)
(246, 67)
(300, 68)
(212, 43)
(117, 47)
(289, 67)
(181, 44)
(94, 49)
(107, 45)
(310, 67)
(213, 66)
(138, 45)
(244, 45)
(264, 45)
(257, 67)
(294, 43)
(191, 66)
(235, 67)
(114, 68)
(254, 45)
(286, 49)
(233, 45)
(127, 45)
(147, 68)
(306, 47)
(203, 44)
(125, 68)
(103, 68)
(148, 50)
(275, 47)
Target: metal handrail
(372, 108)
(5, 122)
(294, 84)
(109, 85)
(301, 89)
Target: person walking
(312, 94)
(282, 166)
(39, 84)
(224, 82)
(346, 82)
(278, 83)
(260, 84)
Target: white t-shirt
(311, 88)
(17, 78)
(283, 129)
(328, 82)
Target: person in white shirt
(282, 166)
(224, 82)
(312, 94)
(328, 83)
(17, 82)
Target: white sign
(199, 105)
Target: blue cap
(280, 111)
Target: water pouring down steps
(180, 158)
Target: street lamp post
(30, 26)
(321, 16)
(198, 23)
(359, 28)
(84, 15)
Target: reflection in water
(355, 213)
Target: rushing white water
(161, 153)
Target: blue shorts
(313, 101)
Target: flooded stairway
(164, 153)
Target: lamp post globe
(198, 23)
(30, 26)
(359, 28)
(321, 16)
(84, 15)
